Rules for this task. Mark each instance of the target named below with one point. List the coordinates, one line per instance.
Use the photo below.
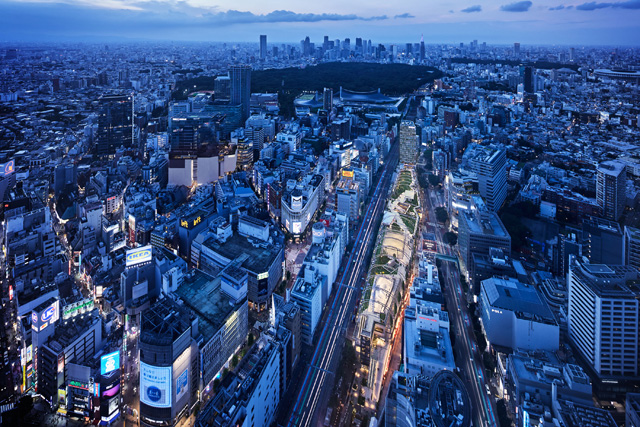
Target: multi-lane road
(468, 358)
(311, 398)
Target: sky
(549, 22)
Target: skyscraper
(263, 46)
(115, 124)
(526, 74)
(611, 184)
(408, 142)
(490, 165)
(241, 87)
(516, 50)
(327, 99)
(422, 48)
(603, 317)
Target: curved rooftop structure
(618, 74)
(373, 97)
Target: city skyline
(496, 22)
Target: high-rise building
(632, 247)
(327, 99)
(240, 76)
(526, 74)
(422, 52)
(408, 142)
(115, 124)
(263, 46)
(516, 49)
(603, 320)
(611, 184)
(490, 165)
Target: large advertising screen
(182, 384)
(110, 362)
(155, 385)
(7, 168)
(139, 255)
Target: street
(311, 401)
(468, 359)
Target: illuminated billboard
(139, 255)
(46, 317)
(297, 227)
(7, 168)
(182, 384)
(155, 385)
(110, 362)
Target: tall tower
(115, 124)
(240, 76)
(408, 142)
(516, 50)
(490, 165)
(422, 48)
(526, 74)
(327, 99)
(611, 184)
(263, 47)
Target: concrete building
(300, 201)
(479, 230)
(514, 316)
(348, 198)
(611, 182)
(220, 306)
(249, 397)
(240, 76)
(408, 142)
(427, 345)
(489, 163)
(603, 241)
(168, 363)
(216, 247)
(632, 247)
(632, 410)
(604, 314)
(307, 292)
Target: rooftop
(202, 293)
(509, 294)
(260, 255)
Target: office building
(220, 305)
(348, 198)
(263, 47)
(427, 344)
(489, 163)
(603, 241)
(327, 99)
(168, 363)
(632, 410)
(240, 76)
(514, 316)
(307, 292)
(527, 78)
(632, 247)
(479, 230)
(215, 248)
(408, 143)
(115, 124)
(611, 182)
(516, 50)
(250, 396)
(603, 317)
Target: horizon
(543, 22)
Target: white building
(300, 202)
(514, 316)
(604, 317)
(307, 293)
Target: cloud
(470, 9)
(519, 6)
(559, 7)
(232, 17)
(403, 16)
(589, 6)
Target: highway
(319, 375)
(468, 358)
